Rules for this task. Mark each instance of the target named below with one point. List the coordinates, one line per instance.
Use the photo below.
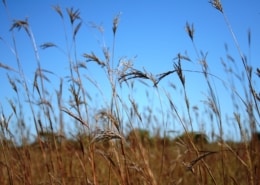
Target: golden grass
(68, 164)
(107, 148)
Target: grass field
(107, 148)
(142, 160)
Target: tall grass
(107, 147)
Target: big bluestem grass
(107, 147)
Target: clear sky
(151, 33)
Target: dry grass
(107, 148)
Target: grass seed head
(115, 23)
(217, 4)
(74, 15)
(58, 10)
(190, 30)
(106, 135)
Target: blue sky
(150, 33)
